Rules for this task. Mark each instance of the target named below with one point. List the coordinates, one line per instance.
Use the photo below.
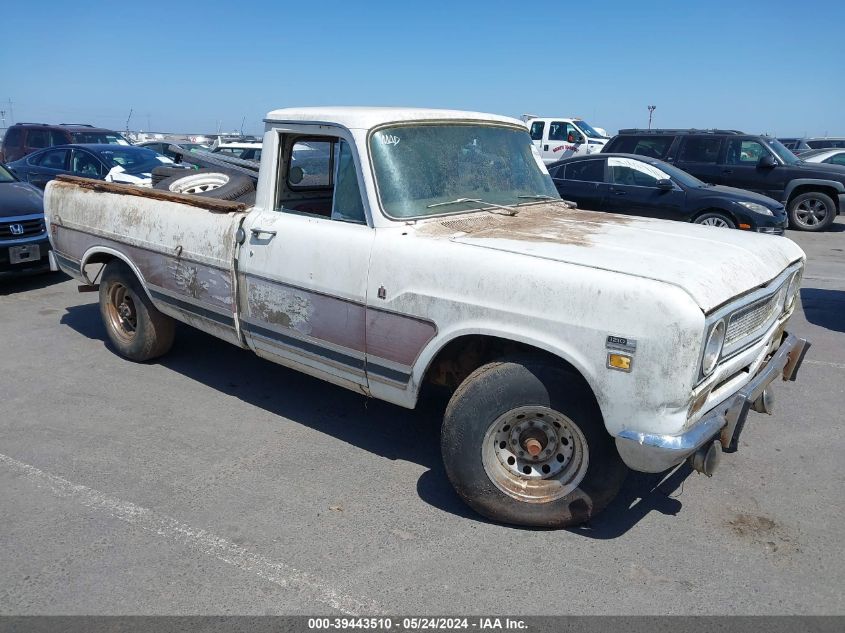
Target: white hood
(713, 265)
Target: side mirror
(664, 184)
(767, 161)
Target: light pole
(651, 110)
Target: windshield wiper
(510, 210)
(539, 196)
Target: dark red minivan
(24, 138)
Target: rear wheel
(715, 219)
(134, 325)
(523, 442)
(811, 211)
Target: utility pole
(11, 112)
(243, 120)
(3, 117)
(651, 110)
(127, 120)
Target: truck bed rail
(210, 204)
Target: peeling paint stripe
(177, 296)
(67, 261)
(315, 349)
(198, 540)
(311, 348)
(203, 312)
(379, 371)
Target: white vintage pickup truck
(392, 248)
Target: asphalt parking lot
(213, 482)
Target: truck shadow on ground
(825, 308)
(372, 425)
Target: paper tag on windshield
(539, 159)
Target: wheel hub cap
(535, 454)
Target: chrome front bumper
(653, 453)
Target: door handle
(620, 193)
(257, 232)
(545, 148)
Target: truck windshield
(587, 129)
(418, 166)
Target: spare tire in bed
(160, 173)
(209, 183)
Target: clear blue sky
(774, 66)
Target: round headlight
(792, 290)
(713, 348)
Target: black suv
(812, 193)
(24, 138)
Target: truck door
(699, 156)
(633, 190)
(564, 141)
(302, 268)
(742, 168)
(537, 132)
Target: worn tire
(711, 218)
(482, 404)
(804, 209)
(161, 173)
(136, 329)
(209, 183)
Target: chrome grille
(17, 229)
(750, 319)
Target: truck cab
(557, 138)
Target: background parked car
(244, 151)
(24, 138)
(24, 246)
(826, 142)
(636, 185)
(827, 156)
(112, 163)
(812, 193)
(795, 145)
(163, 147)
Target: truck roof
(357, 117)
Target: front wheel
(811, 211)
(523, 442)
(715, 219)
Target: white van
(557, 138)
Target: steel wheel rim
(811, 211)
(714, 222)
(122, 314)
(555, 471)
(199, 183)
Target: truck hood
(713, 265)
